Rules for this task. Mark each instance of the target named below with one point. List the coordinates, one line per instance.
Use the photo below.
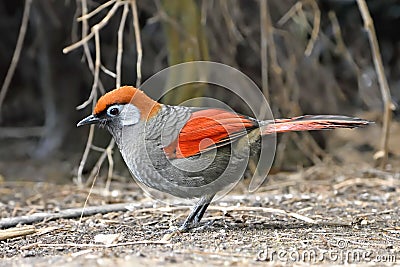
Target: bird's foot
(185, 227)
(172, 232)
(205, 224)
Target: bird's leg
(200, 213)
(197, 213)
(193, 219)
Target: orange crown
(125, 95)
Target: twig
(203, 19)
(370, 182)
(75, 245)
(305, 149)
(109, 151)
(87, 198)
(93, 95)
(108, 72)
(95, 29)
(47, 230)
(17, 51)
(85, 16)
(85, 155)
(100, 162)
(375, 213)
(233, 30)
(266, 210)
(275, 67)
(97, 64)
(233, 208)
(78, 212)
(315, 30)
(65, 214)
(298, 8)
(96, 69)
(85, 27)
(138, 43)
(383, 84)
(120, 48)
(264, 47)
(340, 45)
(290, 13)
(316, 149)
(16, 232)
(280, 151)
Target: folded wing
(208, 129)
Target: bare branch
(108, 72)
(17, 51)
(85, 28)
(315, 30)
(120, 46)
(93, 92)
(95, 68)
(95, 29)
(87, 198)
(85, 155)
(383, 84)
(138, 43)
(109, 152)
(100, 161)
(68, 213)
(264, 47)
(290, 13)
(17, 232)
(76, 245)
(85, 16)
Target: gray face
(115, 116)
(118, 116)
(122, 115)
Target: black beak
(88, 120)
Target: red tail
(311, 122)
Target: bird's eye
(113, 111)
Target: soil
(326, 214)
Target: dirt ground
(327, 214)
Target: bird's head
(121, 107)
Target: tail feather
(313, 122)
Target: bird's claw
(172, 232)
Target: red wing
(207, 129)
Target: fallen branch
(266, 210)
(75, 245)
(16, 232)
(367, 182)
(88, 211)
(64, 214)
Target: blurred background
(308, 57)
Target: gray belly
(193, 177)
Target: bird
(191, 152)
